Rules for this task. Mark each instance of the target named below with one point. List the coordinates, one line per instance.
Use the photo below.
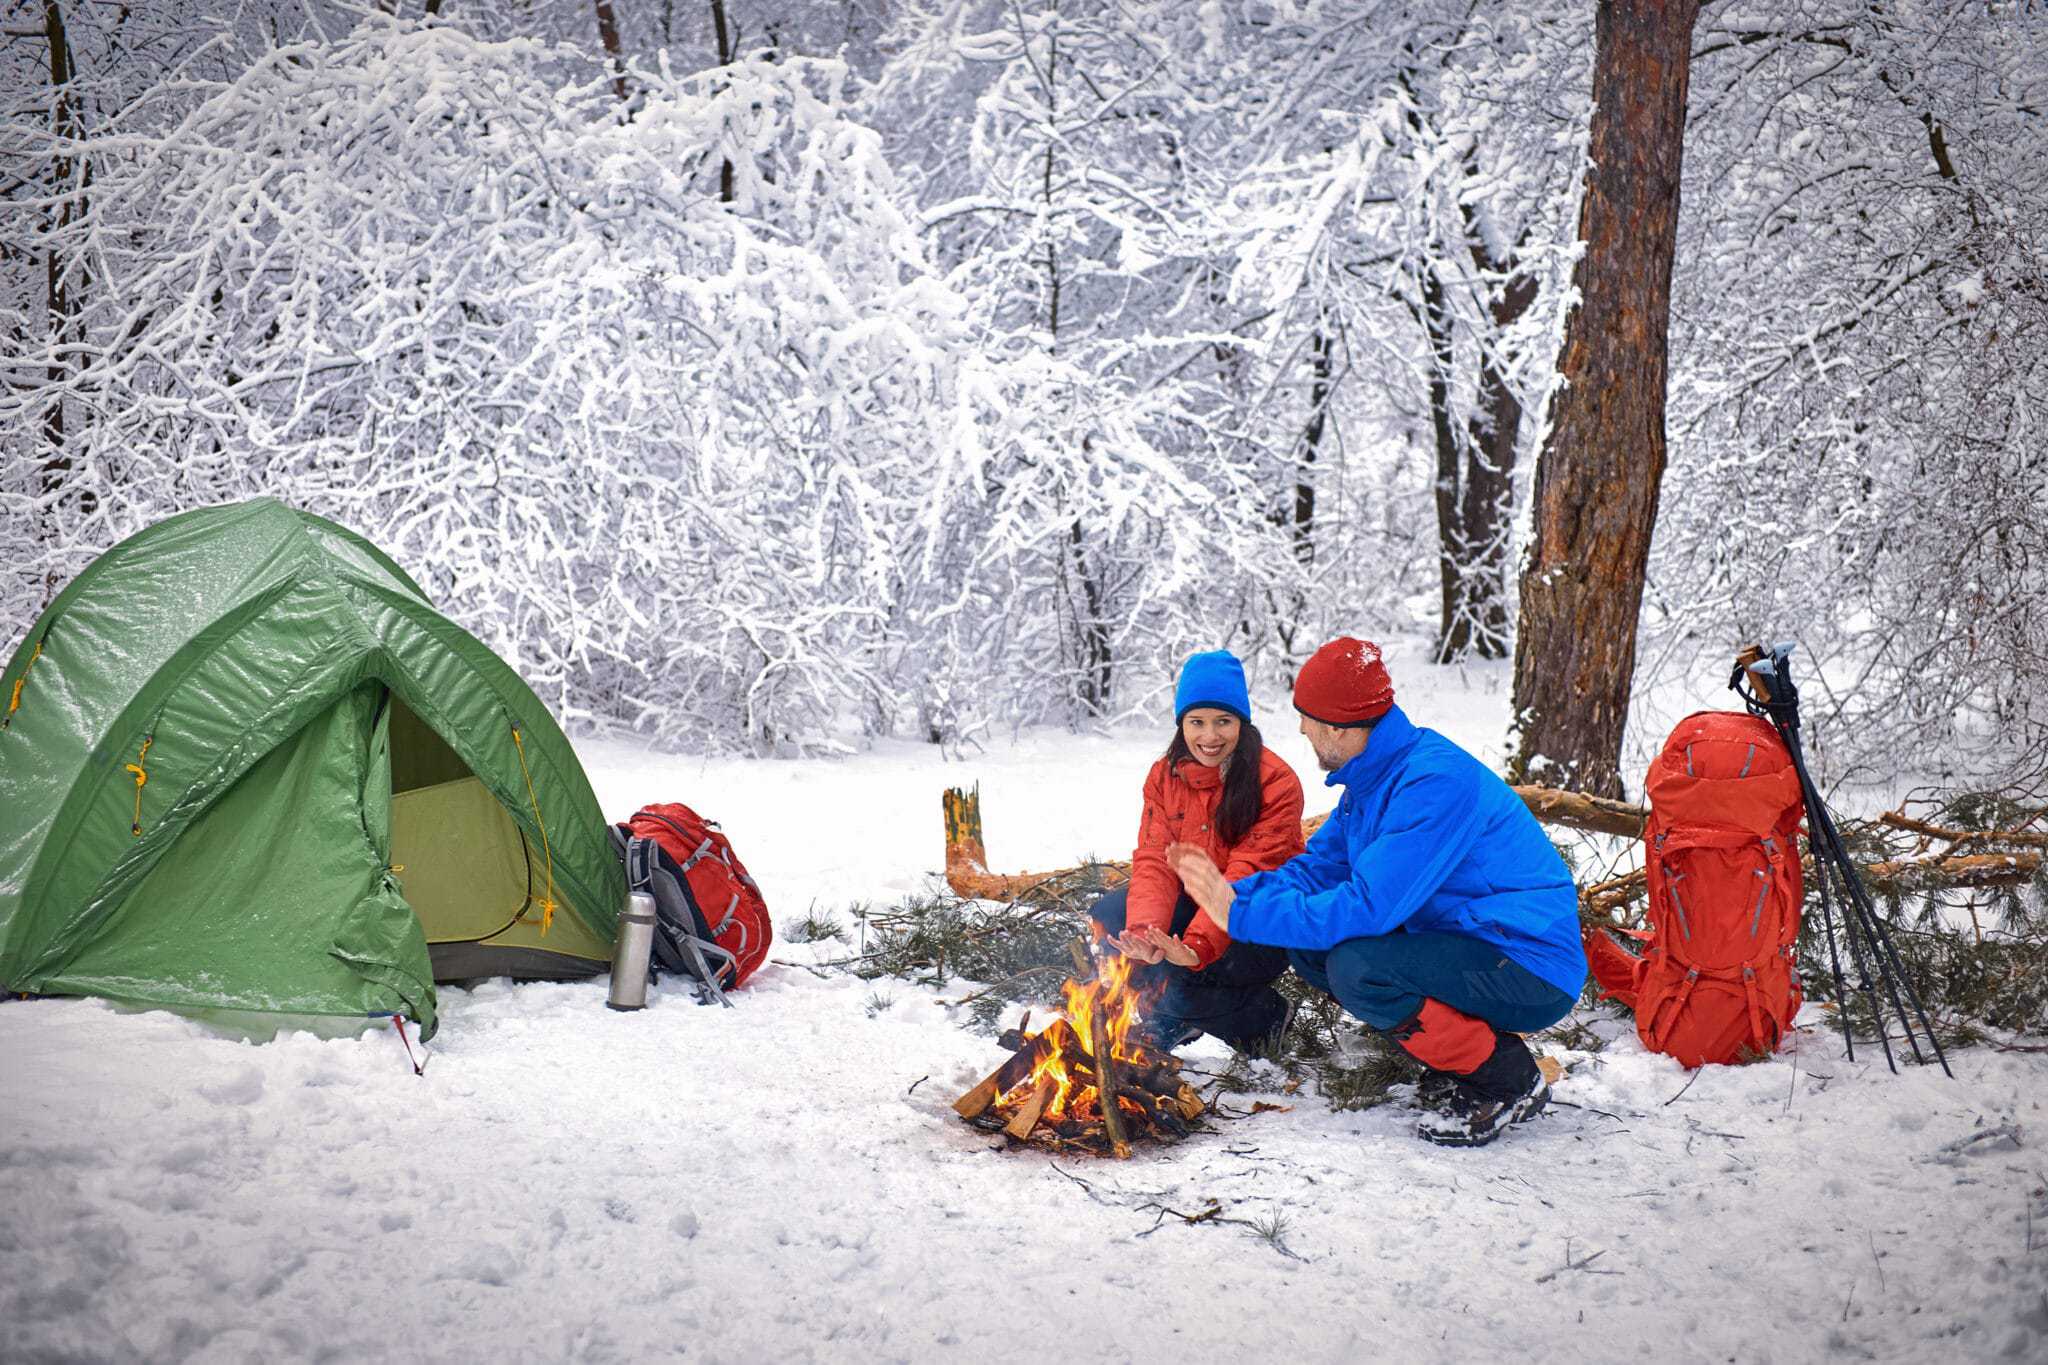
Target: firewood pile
(1086, 1082)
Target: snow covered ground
(786, 1180)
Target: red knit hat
(1344, 683)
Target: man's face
(1335, 745)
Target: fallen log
(1953, 871)
(1900, 876)
(1582, 810)
(1956, 838)
(967, 862)
(967, 871)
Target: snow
(786, 1181)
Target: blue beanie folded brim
(1212, 678)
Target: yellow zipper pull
(141, 777)
(14, 701)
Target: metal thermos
(629, 956)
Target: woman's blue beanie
(1212, 678)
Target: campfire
(1084, 1082)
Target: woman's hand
(1153, 944)
(1171, 948)
(1136, 944)
(1204, 881)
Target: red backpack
(1717, 981)
(722, 905)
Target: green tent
(247, 766)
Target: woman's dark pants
(1233, 997)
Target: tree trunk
(1475, 470)
(1454, 633)
(1091, 629)
(1486, 499)
(1312, 441)
(725, 55)
(62, 285)
(1598, 475)
(608, 34)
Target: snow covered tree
(1858, 322)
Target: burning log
(1107, 1092)
(1033, 1108)
(1087, 1081)
(1012, 1073)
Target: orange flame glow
(1067, 1049)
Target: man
(1430, 904)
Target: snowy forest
(840, 414)
(769, 376)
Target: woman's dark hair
(1243, 793)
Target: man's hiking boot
(1507, 1088)
(1434, 1089)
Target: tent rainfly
(246, 766)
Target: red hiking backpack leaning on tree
(1718, 980)
(710, 921)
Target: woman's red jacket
(1180, 807)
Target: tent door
(468, 870)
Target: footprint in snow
(244, 1087)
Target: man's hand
(1153, 944)
(1204, 881)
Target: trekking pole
(1758, 703)
(1891, 968)
(1869, 943)
(1771, 694)
(1862, 950)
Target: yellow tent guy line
(547, 903)
(140, 778)
(14, 701)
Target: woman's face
(1211, 734)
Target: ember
(1085, 1082)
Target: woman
(1218, 787)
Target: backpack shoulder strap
(680, 929)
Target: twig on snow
(1086, 1187)
(1583, 1263)
(1587, 1108)
(1271, 1229)
(1949, 1153)
(1687, 1086)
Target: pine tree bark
(1598, 474)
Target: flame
(1107, 1004)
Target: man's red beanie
(1344, 683)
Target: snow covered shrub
(660, 396)
(674, 454)
(1860, 335)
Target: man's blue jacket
(1426, 839)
